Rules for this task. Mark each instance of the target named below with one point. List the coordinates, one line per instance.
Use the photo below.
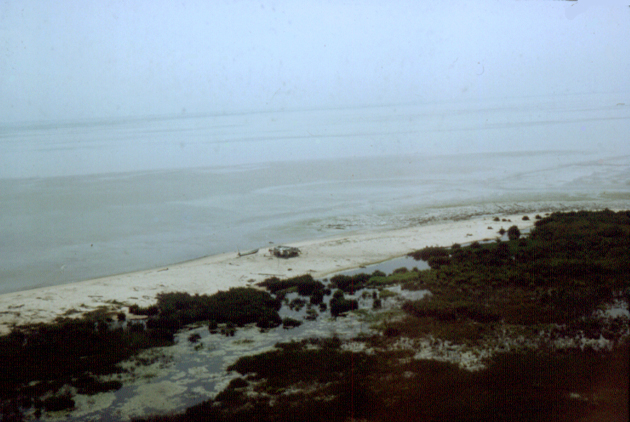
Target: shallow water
(59, 230)
(89, 199)
(188, 373)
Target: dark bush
(435, 262)
(317, 297)
(341, 305)
(56, 403)
(391, 332)
(137, 310)
(162, 334)
(297, 304)
(229, 395)
(502, 252)
(238, 305)
(513, 233)
(269, 320)
(290, 323)
(238, 383)
(136, 327)
(448, 311)
(311, 315)
(429, 252)
(350, 284)
(305, 284)
(89, 385)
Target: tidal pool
(171, 379)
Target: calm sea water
(79, 201)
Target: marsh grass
(570, 266)
(40, 359)
(316, 380)
(468, 333)
(64, 353)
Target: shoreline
(208, 275)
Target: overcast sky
(101, 59)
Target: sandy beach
(220, 272)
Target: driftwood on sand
(252, 252)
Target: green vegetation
(376, 280)
(568, 267)
(304, 284)
(429, 252)
(56, 403)
(40, 359)
(238, 305)
(482, 296)
(290, 323)
(316, 380)
(339, 304)
(513, 233)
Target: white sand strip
(221, 272)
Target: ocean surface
(91, 199)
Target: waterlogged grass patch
(384, 294)
(319, 380)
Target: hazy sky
(100, 59)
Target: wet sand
(220, 272)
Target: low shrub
(305, 284)
(57, 403)
(513, 233)
(317, 297)
(87, 384)
(238, 383)
(290, 323)
(430, 251)
(350, 284)
(342, 305)
(443, 310)
(239, 305)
